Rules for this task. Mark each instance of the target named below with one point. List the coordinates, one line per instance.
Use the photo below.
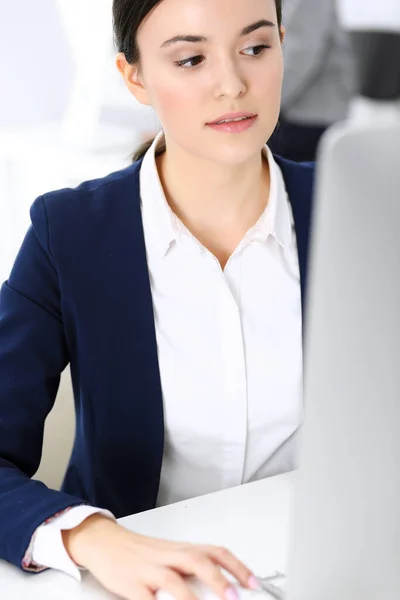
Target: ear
(282, 33)
(132, 78)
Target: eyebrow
(200, 38)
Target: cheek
(269, 86)
(173, 100)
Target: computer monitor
(346, 543)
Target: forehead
(204, 17)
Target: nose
(230, 82)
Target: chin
(236, 153)
(238, 148)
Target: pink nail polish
(231, 594)
(253, 583)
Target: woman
(173, 288)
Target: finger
(167, 580)
(195, 562)
(228, 561)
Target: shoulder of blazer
(71, 212)
(95, 191)
(299, 176)
(300, 185)
(300, 182)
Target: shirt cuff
(48, 550)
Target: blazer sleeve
(33, 353)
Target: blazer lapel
(124, 369)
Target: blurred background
(66, 116)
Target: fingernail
(253, 583)
(231, 594)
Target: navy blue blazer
(79, 293)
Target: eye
(193, 61)
(257, 50)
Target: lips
(232, 118)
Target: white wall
(59, 435)
(32, 43)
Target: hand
(135, 567)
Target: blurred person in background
(318, 79)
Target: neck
(213, 198)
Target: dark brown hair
(127, 18)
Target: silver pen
(270, 588)
(267, 585)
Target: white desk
(251, 520)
